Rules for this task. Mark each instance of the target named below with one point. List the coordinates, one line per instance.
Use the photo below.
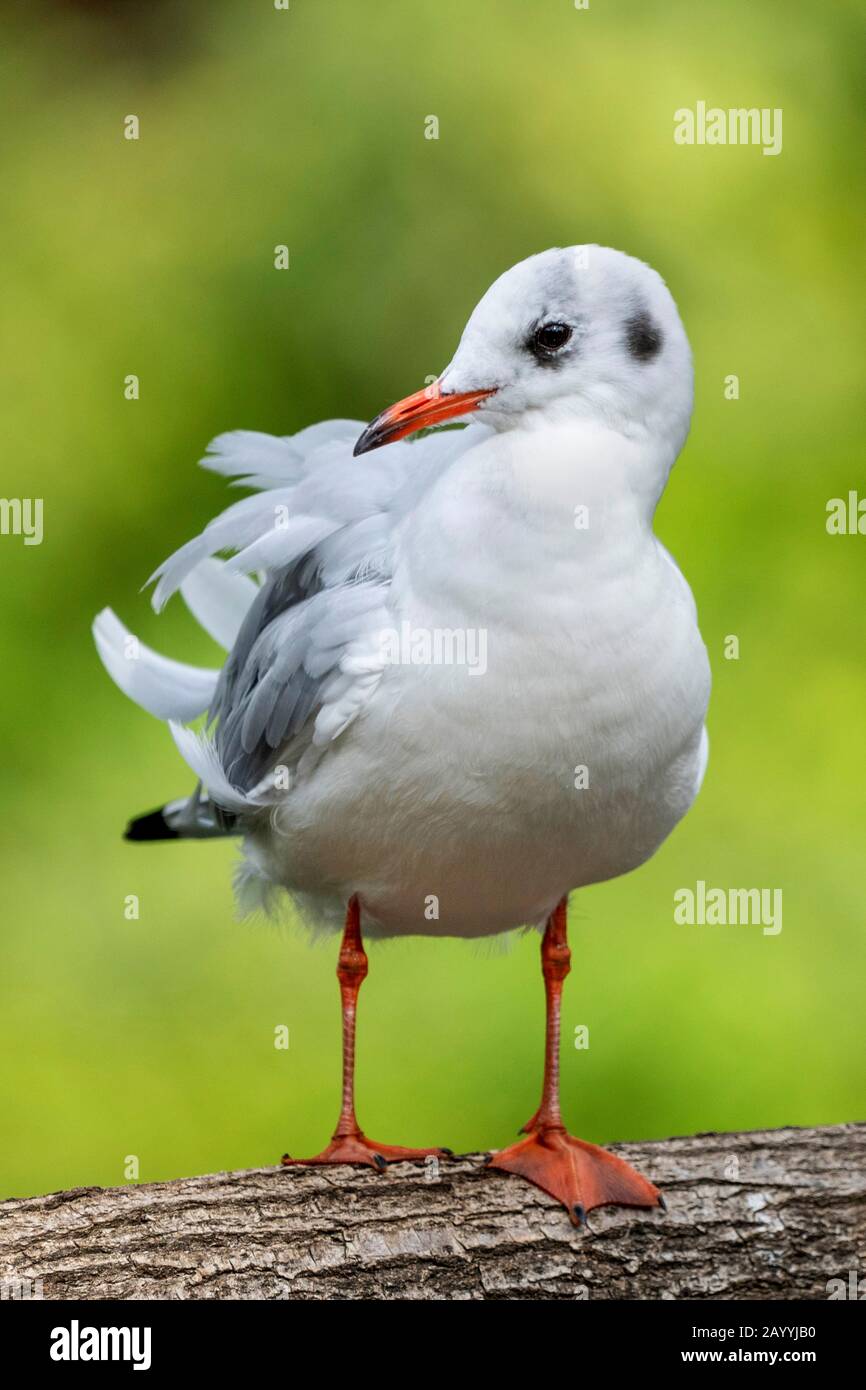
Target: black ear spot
(643, 336)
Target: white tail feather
(218, 599)
(199, 753)
(165, 688)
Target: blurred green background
(156, 1037)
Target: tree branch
(769, 1214)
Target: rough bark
(769, 1214)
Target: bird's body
(461, 783)
(464, 677)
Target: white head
(577, 333)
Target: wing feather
(305, 651)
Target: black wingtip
(153, 826)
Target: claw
(579, 1215)
(380, 1162)
(662, 1203)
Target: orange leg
(349, 1143)
(579, 1175)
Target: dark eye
(549, 338)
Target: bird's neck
(578, 467)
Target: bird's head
(577, 333)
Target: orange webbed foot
(578, 1174)
(357, 1148)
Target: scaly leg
(579, 1175)
(349, 1143)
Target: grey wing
(293, 675)
(301, 603)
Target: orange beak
(428, 407)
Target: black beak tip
(372, 438)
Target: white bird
(464, 678)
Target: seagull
(463, 677)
